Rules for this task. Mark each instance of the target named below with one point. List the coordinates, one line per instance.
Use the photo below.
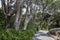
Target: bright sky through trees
(0, 3)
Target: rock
(42, 35)
(55, 33)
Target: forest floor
(42, 35)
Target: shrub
(11, 34)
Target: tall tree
(18, 15)
(11, 7)
(28, 13)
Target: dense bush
(11, 34)
(2, 19)
(48, 22)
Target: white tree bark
(28, 14)
(18, 15)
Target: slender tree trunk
(28, 14)
(27, 19)
(7, 21)
(6, 12)
(18, 15)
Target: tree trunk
(28, 14)
(18, 15)
(7, 21)
(6, 12)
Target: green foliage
(2, 19)
(11, 34)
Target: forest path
(42, 35)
